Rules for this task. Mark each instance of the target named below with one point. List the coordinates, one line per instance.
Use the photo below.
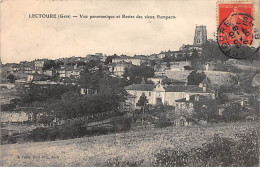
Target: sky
(26, 39)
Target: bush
(121, 123)
(118, 162)
(171, 157)
(163, 122)
(78, 129)
(223, 152)
(39, 134)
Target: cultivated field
(130, 147)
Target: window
(150, 94)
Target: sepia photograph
(129, 83)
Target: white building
(166, 95)
(133, 60)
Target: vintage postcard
(130, 83)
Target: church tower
(200, 35)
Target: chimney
(75, 66)
(143, 81)
(204, 88)
(187, 97)
(196, 97)
(207, 67)
(242, 102)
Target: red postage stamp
(236, 29)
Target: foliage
(228, 89)
(81, 63)
(43, 93)
(168, 64)
(73, 105)
(223, 152)
(223, 98)
(135, 146)
(142, 100)
(153, 63)
(211, 51)
(50, 64)
(77, 129)
(163, 121)
(11, 78)
(232, 112)
(109, 58)
(205, 109)
(196, 78)
(136, 73)
(171, 157)
(118, 162)
(187, 67)
(44, 119)
(254, 104)
(91, 77)
(166, 59)
(121, 123)
(195, 59)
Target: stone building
(38, 65)
(200, 35)
(166, 95)
(119, 68)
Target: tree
(136, 73)
(59, 63)
(90, 78)
(81, 63)
(211, 51)
(232, 112)
(11, 78)
(187, 68)
(196, 78)
(43, 93)
(153, 63)
(205, 109)
(73, 105)
(112, 88)
(195, 59)
(166, 59)
(142, 100)
(195, 55)
(109, 58)
(168, 64)
(49, 64)
(223, 98)
(186, 56)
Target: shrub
(39, 134)
(118, 162)
(220, 152)
(163, 122)
(78, 129)
(121, 123)
(171, 157)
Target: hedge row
(72, 130)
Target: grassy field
(131, 146)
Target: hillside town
(195, 85)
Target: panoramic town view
(191, 107)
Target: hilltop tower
(200, 35)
